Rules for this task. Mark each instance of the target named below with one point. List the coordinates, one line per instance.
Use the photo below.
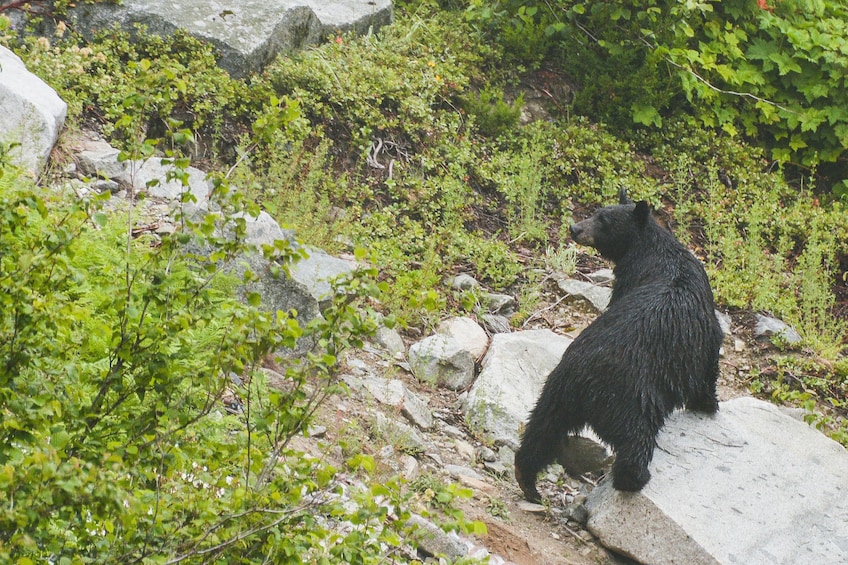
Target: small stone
(597, 296)
(458, 471)
(503, 304)
(435, 457)
(358, 366)
(601, 276)
(451, 431)
(464, 449)
(317, 431)
(724, 321)
(583, 454)
(391, 341)
(486, 454)
(496, 324)
(464, 282)
(476, 484)
(398, 434)
(106, 186)
(441, 360)
(432, 540)
(738, 345)
(409, 467)
(497, 468)
(467, 333)
(772, 327)
(577, 512)
(531, 507)
(166, 228)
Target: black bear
(655, 349)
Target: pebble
(531, 507)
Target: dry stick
(538, 313)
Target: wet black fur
(655, 349)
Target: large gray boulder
(248, 34)
(748, 485)
(31, 113)
(512, 375)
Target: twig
(573, 533)
(538, 313)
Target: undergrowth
(400, 142)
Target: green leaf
(59, 439)
(479, 528)
(785, 63)
(760, 49)
(646, 115)
(362, 461)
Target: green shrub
(172, 78)
(386, 86)
(493, 115)
(771, 72)
(767, 246)
(114, 356)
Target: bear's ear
(622, 197)
(642, 213)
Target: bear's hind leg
(538, 449)
(548, 428)
(629, 475)
(630, 470)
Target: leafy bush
(768, 247)
(115, 444)
(772, 72)
(493, 115)
(385, 86)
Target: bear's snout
(575, 230)
(580, 234)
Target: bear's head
(612, 230)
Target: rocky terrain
(518, 532)
(410, 401)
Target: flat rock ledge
(751, 485)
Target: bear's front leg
(706, 405)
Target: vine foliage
(771, 70)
